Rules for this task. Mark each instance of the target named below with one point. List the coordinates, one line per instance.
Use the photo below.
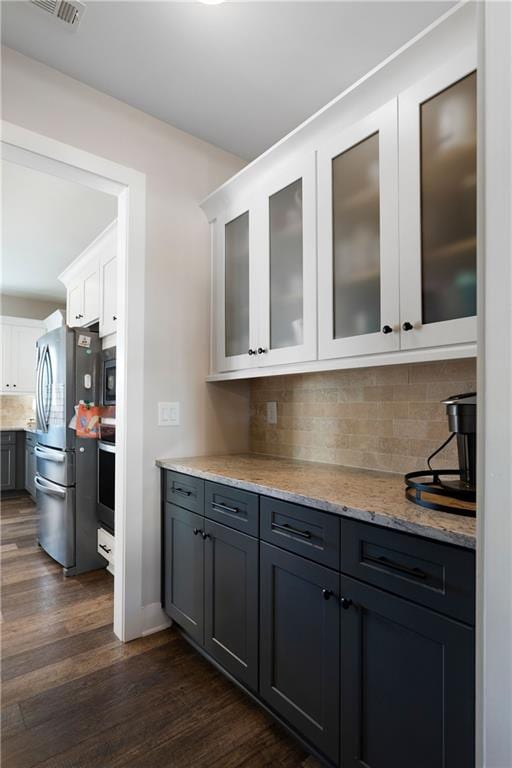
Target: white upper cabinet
(235, 324)
(286, 273)
(437, 145)
(264, 294)
(358, 238)
(19, 337)
(108, 294)
(352, 242)
(91, 283)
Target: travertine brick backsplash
(388, 418)
(16, 409)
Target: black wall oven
(106, 484)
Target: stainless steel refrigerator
(67, 372)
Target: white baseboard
(154, 619)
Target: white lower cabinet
(361, 251)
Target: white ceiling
(240, 75)
(46, 223)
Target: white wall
(494, 703)
(16, 306)
(180, 170)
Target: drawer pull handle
(290, 529)
(182, 491)
(415, 573)
(225, 508)
(105, 548)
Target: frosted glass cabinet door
(287, 277)
(358, 238)
(438, 214)
(233, 303)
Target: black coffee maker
(456, 487)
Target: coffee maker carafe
(461, 412)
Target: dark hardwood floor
(73, 696)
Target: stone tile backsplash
(16, 409)
(388, 418)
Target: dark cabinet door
(299, 645)
(8, 467)
(407, 684)
(231, 601)
(184, 569)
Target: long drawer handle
(59, 458)
(104, 547)
(416, 573)
(225, 508)
(290, 529)
(183, 492)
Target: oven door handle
(108, 447)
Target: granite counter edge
(367, 516)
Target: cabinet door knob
(345, 602)
(407, 326)
(327, 593)
(262, 351)
(205, 535)
(6, 385)
(114, 317)
(196, 531)
(387, 329)
(251, 352)
(14, 385)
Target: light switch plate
(272, 412)
(168, 414)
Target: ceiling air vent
(68, 11)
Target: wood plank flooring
(73, 696)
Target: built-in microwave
(108, 386)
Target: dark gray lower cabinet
(231, 601)
(407, 684)
(184, 569)
(8, 467)
(299, 645)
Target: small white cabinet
(108, 294)
(19, 337)
(264, 282)
(91, 283)
(438, 175)
(358, 238)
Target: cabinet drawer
(305, 531)
(427, 572)
(185, 491)
(7, 438)
(232, 507)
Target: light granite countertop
(17, 428)
(366, 495)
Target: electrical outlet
(168, 414)
(272, 413)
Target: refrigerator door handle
(40, 356)
(45, 486)
(49, 455)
